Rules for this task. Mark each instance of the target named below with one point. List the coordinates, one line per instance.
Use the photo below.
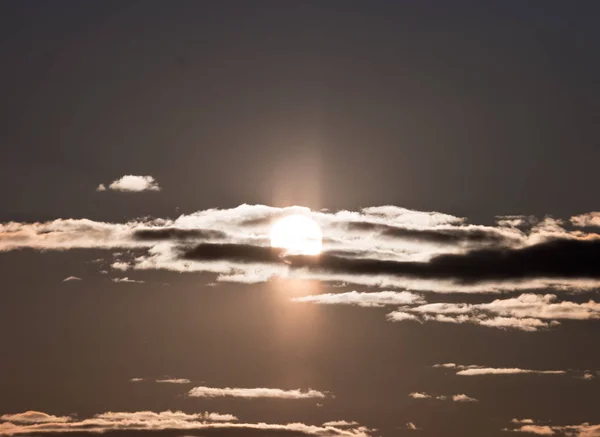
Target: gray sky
(470, 110)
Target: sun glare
(298, 234)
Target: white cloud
(132, 183)
(168, 420)
(374, 299)
(252, 393)
(174, 381)
(400, 316)
(136, 379)
(527, 312)
(411, 426)
(126, 280)
(463, 398)
(455, 398)
(34, 417)
(589, 219)
(101, 187)
(118, 265)
(475, 370)
(345, 231)
(71, 278)
(530, 426)
(417, 395)
(340, 423)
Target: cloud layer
(39, 423)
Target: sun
(298, 234)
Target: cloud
(416, 395)
(340, 423)
(385, 247)
(126, 280)
(530, 426)
(527, 312)
(252, 393)
(506, 371)
(585, 220)
(454, 398)
(71, 278)
(411, 426)
(34, 417)
(132, 183)
(475, 370)
(373, 299)
(463, 398)
(168, 420)
(174, 381)
(136, 379)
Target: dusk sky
(299, 218)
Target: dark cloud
(241, 253)
(455, 235)
(558, 258)
(159, 234)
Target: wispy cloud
(126, 280)
(527, 312)
(174, 381)
(72, 278)
(363, 299)
(340, 423)
(475, 370)
(532, 427)
(251, 393)
(455, 398)
(165, 420)
(132, 183)
(34, 417)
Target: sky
(446, 151)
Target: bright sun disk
(298, 234)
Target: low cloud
(165, 420)
(463, 398)
(253, 393)
(71, 278)
(136, 379)
(132, 183)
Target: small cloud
(136, 379)
(174, 381)
(420, 395)
(463, 398)
(522, 421)
(412, 426)
(131, 183)
(126, 280)
(71, 278)
(588, 375)
(118, 265)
